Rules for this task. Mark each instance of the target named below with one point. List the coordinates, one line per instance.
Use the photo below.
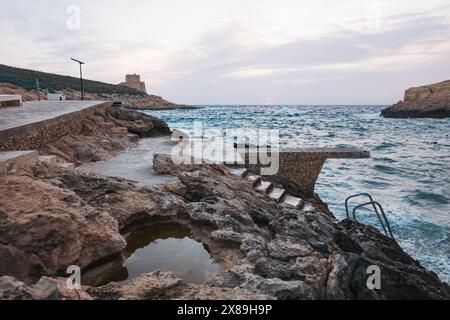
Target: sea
(408, 172)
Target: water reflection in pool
(165, 247)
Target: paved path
(37, 111)
(136, 163)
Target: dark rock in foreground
(430, 101)
(266, 250)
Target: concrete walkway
(38, 111)
(135, 164)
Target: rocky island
(429, 101)
(53, 215)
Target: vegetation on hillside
(52, 82)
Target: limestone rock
(13, 289)
(104, 134)
(266, 250)
(139, 123)
(429, 101)
(50, 230)
(151, 286)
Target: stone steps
(264, 187)
(254, 179)
(240, 172)
(293, 202)
(276, 193)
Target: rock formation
(104, 134)
(267, 250)
(52, 217)
(430, 101)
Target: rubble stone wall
(37, 135)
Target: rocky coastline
(429, 101)
(138, 101)
(267, 251)
(134, 102)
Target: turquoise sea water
(409, 172)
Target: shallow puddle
(165, 247)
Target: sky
(238, 52)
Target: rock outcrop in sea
(429, 101)
(267, 250)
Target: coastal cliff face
(430, 101)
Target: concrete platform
(40, 122)
(136, 163)
(37, 111)
(298, 169)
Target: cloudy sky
(238, 52)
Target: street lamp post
(81, 76)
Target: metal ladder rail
(373, 205)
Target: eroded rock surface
(267, 250)
(45, 228)
(151, 286)
(104, 134)
(295, 254)
(430, 101)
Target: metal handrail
(385, 225)
(374, 203)
(354, 196)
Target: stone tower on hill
(134, 81)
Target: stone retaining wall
(36, 135)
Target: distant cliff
(429, 101)
(23, 82)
